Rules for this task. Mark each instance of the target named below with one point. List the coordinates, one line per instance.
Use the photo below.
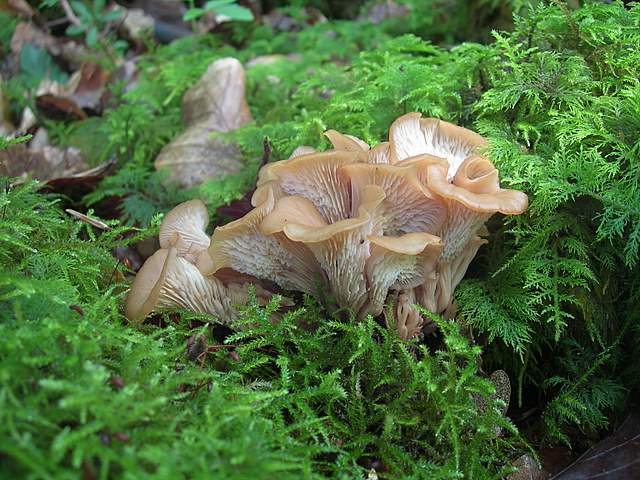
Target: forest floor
(112, 113)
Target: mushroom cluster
(397, 223)
(403, 216)
(172, 277)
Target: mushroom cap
(411, 135)
(186, 222)
(242, 247)
(380, 153)
(302, 150)
(294, 209)
(479, 174)
(348, 143)
(167, 280)
(315, 177)
(340, 248)
(145, 290)
(399, 263)
(408, 205)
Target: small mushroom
(241, 246)
(184, 227)
(406, 319)
(168, 281)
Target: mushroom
(399, 263)
(402, 217)
(340, 248)
(184, 227)
(168, 281)
(410, 135)
(243, 247)
(448, 163)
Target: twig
(68, 11)
(87, 219)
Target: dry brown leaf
(218, 99)
(199, 154)
(617, 457)
(59, 108)
(216, 104)
(43, 164)
(84, 90)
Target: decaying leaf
(27, 33)
(43, 164)
(617, 457)
(198, 154)
(216, 104)
(84, 90)
(218, 100)
(384, 10)
(137, 24)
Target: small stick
(87, 219)
(68, 11)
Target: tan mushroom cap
(145, 290)
(479, 174)
(167, 281)
(187, 222)
(315, 177)
(380, 153)
(291, 209)
(408, 205)
(348, 143)
(411, 135)
(242, 247)
(302, 150)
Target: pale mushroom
(241, 246)
(404, 317)
(169, 281)
(184, 227)
(410, 135)
(340, 248)
(315, 177)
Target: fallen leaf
(379, 12)
(199, 154)
(84, 90)
(218, 99)
(617, 457)
(59, 108)
(44, 164)
(214, 105)
(18, 7)
(137, 24)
